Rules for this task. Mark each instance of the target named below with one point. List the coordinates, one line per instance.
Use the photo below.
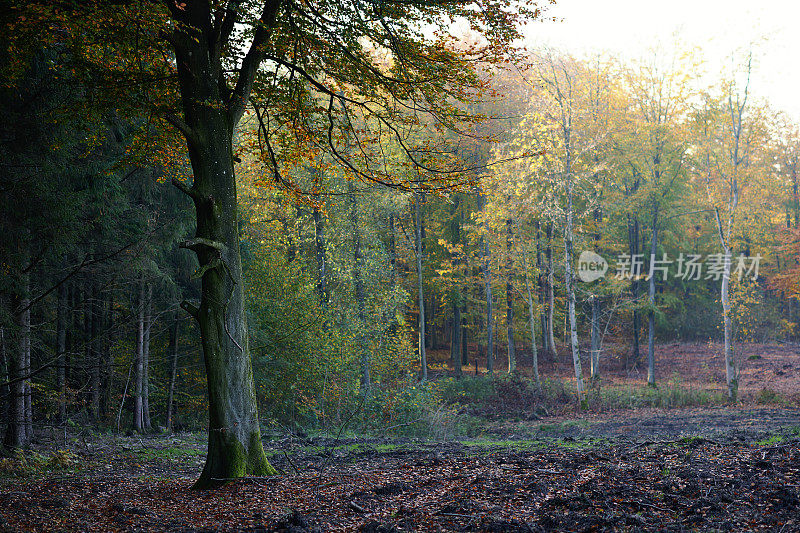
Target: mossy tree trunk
(211, 111)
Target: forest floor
(696, 469)
(701, 365)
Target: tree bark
(418, 246)
(455, 343)
(633, 247)
(173, 372)
(358, 283)
(551, 298)
(532, 322)
(512, 353)
(322, 266)
(651, 296)
(594, 351)
(569, 283)
(731, 374)
(487, 280)
(17, 430)
(108, 358)
(138, 417)
(148, 324)
(61, 349)
(92, 352)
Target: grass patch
(168, 454)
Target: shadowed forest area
(289, 265)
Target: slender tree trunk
(17, 434)
(418, 245)
(455, 343)
(569, 283)
(322, 267)
(61, 349)
(651, 295)
(487, 281)
(532, 322)
(138, 417)
(551, 298)
(173, 372)
(731, 374)
(148, 324)
(358, 283)
(594, 358)
(594, 352)
(92, 351)
(5, 370)
(512, 353)
(633, 245)
(464, 338)
(392, 252)
(541, 288)
(109, 337)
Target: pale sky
(627, 28)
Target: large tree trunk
(512, 353)
(234, 437)
(418, 246)
(173, 372)
(210, 114)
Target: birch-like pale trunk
(570, 288)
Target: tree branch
(251, 61)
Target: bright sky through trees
(627, 28)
